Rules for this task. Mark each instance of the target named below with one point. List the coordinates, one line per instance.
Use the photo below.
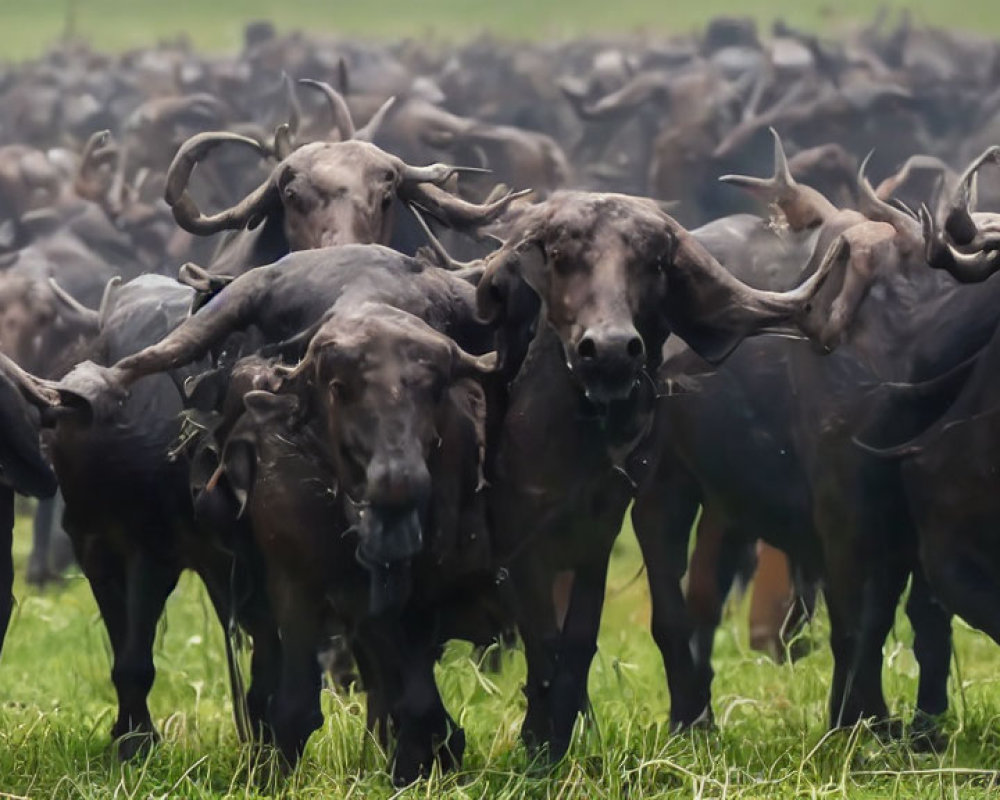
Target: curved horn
(454, 211)
(283, 146)
(343, 78)
(803, 206)
(437, 173)
(959, 225)
(782, 178)
(342, 120)
(105, 308)
(38, 392)
(87, 316)
(465, 365)
(912, 166)
(185, 209)
(294, 109)
(194, 150)
(118, 193)
(875, 208)
(96, 153)
(963, 267)
(368, 131)
(437, 247)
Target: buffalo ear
(505, 271)
(89, 391)
(205, 284)
(508, 297)
(206, 390)
(71, 406)
(265, 406)
(239, 464)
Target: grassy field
(771, 740)
(26, 27)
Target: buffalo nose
(622, 344)
(398, 481)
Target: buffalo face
(380, 380)
(596, 264)
(337, 193)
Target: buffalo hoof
(888, 730)
(416, 754)
(134, 743)
(452, 751)
(39, 575)
(536, 731)
(926, 735)
(703, 720)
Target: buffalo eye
(292, 197)
(340, 390)
(562, 266)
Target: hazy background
(27, 27)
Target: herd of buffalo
(389, 384)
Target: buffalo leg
(426, 731)
(6, 560)
(255, 619)
(379, 687)
(265, 669)
(149, 583)
(662, 518)
(577, 647)
(295, 709)
(772, 602)
(931, 624)
(536, 620)
(716, 560)
(857, 641)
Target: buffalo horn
(342, 120)
(183, 205)
(875, 208)
(86, 315)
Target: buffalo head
(615, 276)
(380, 382)
(327, 193)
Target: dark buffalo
(911, 322)
(128, 507)
(614, 276)
(948, 468)
(728, 441)
(126, 543)
(362, 479)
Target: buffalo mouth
(603, 384)
(388, 539)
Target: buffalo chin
(388, 541)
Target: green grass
(771, 741)
(27, 27)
